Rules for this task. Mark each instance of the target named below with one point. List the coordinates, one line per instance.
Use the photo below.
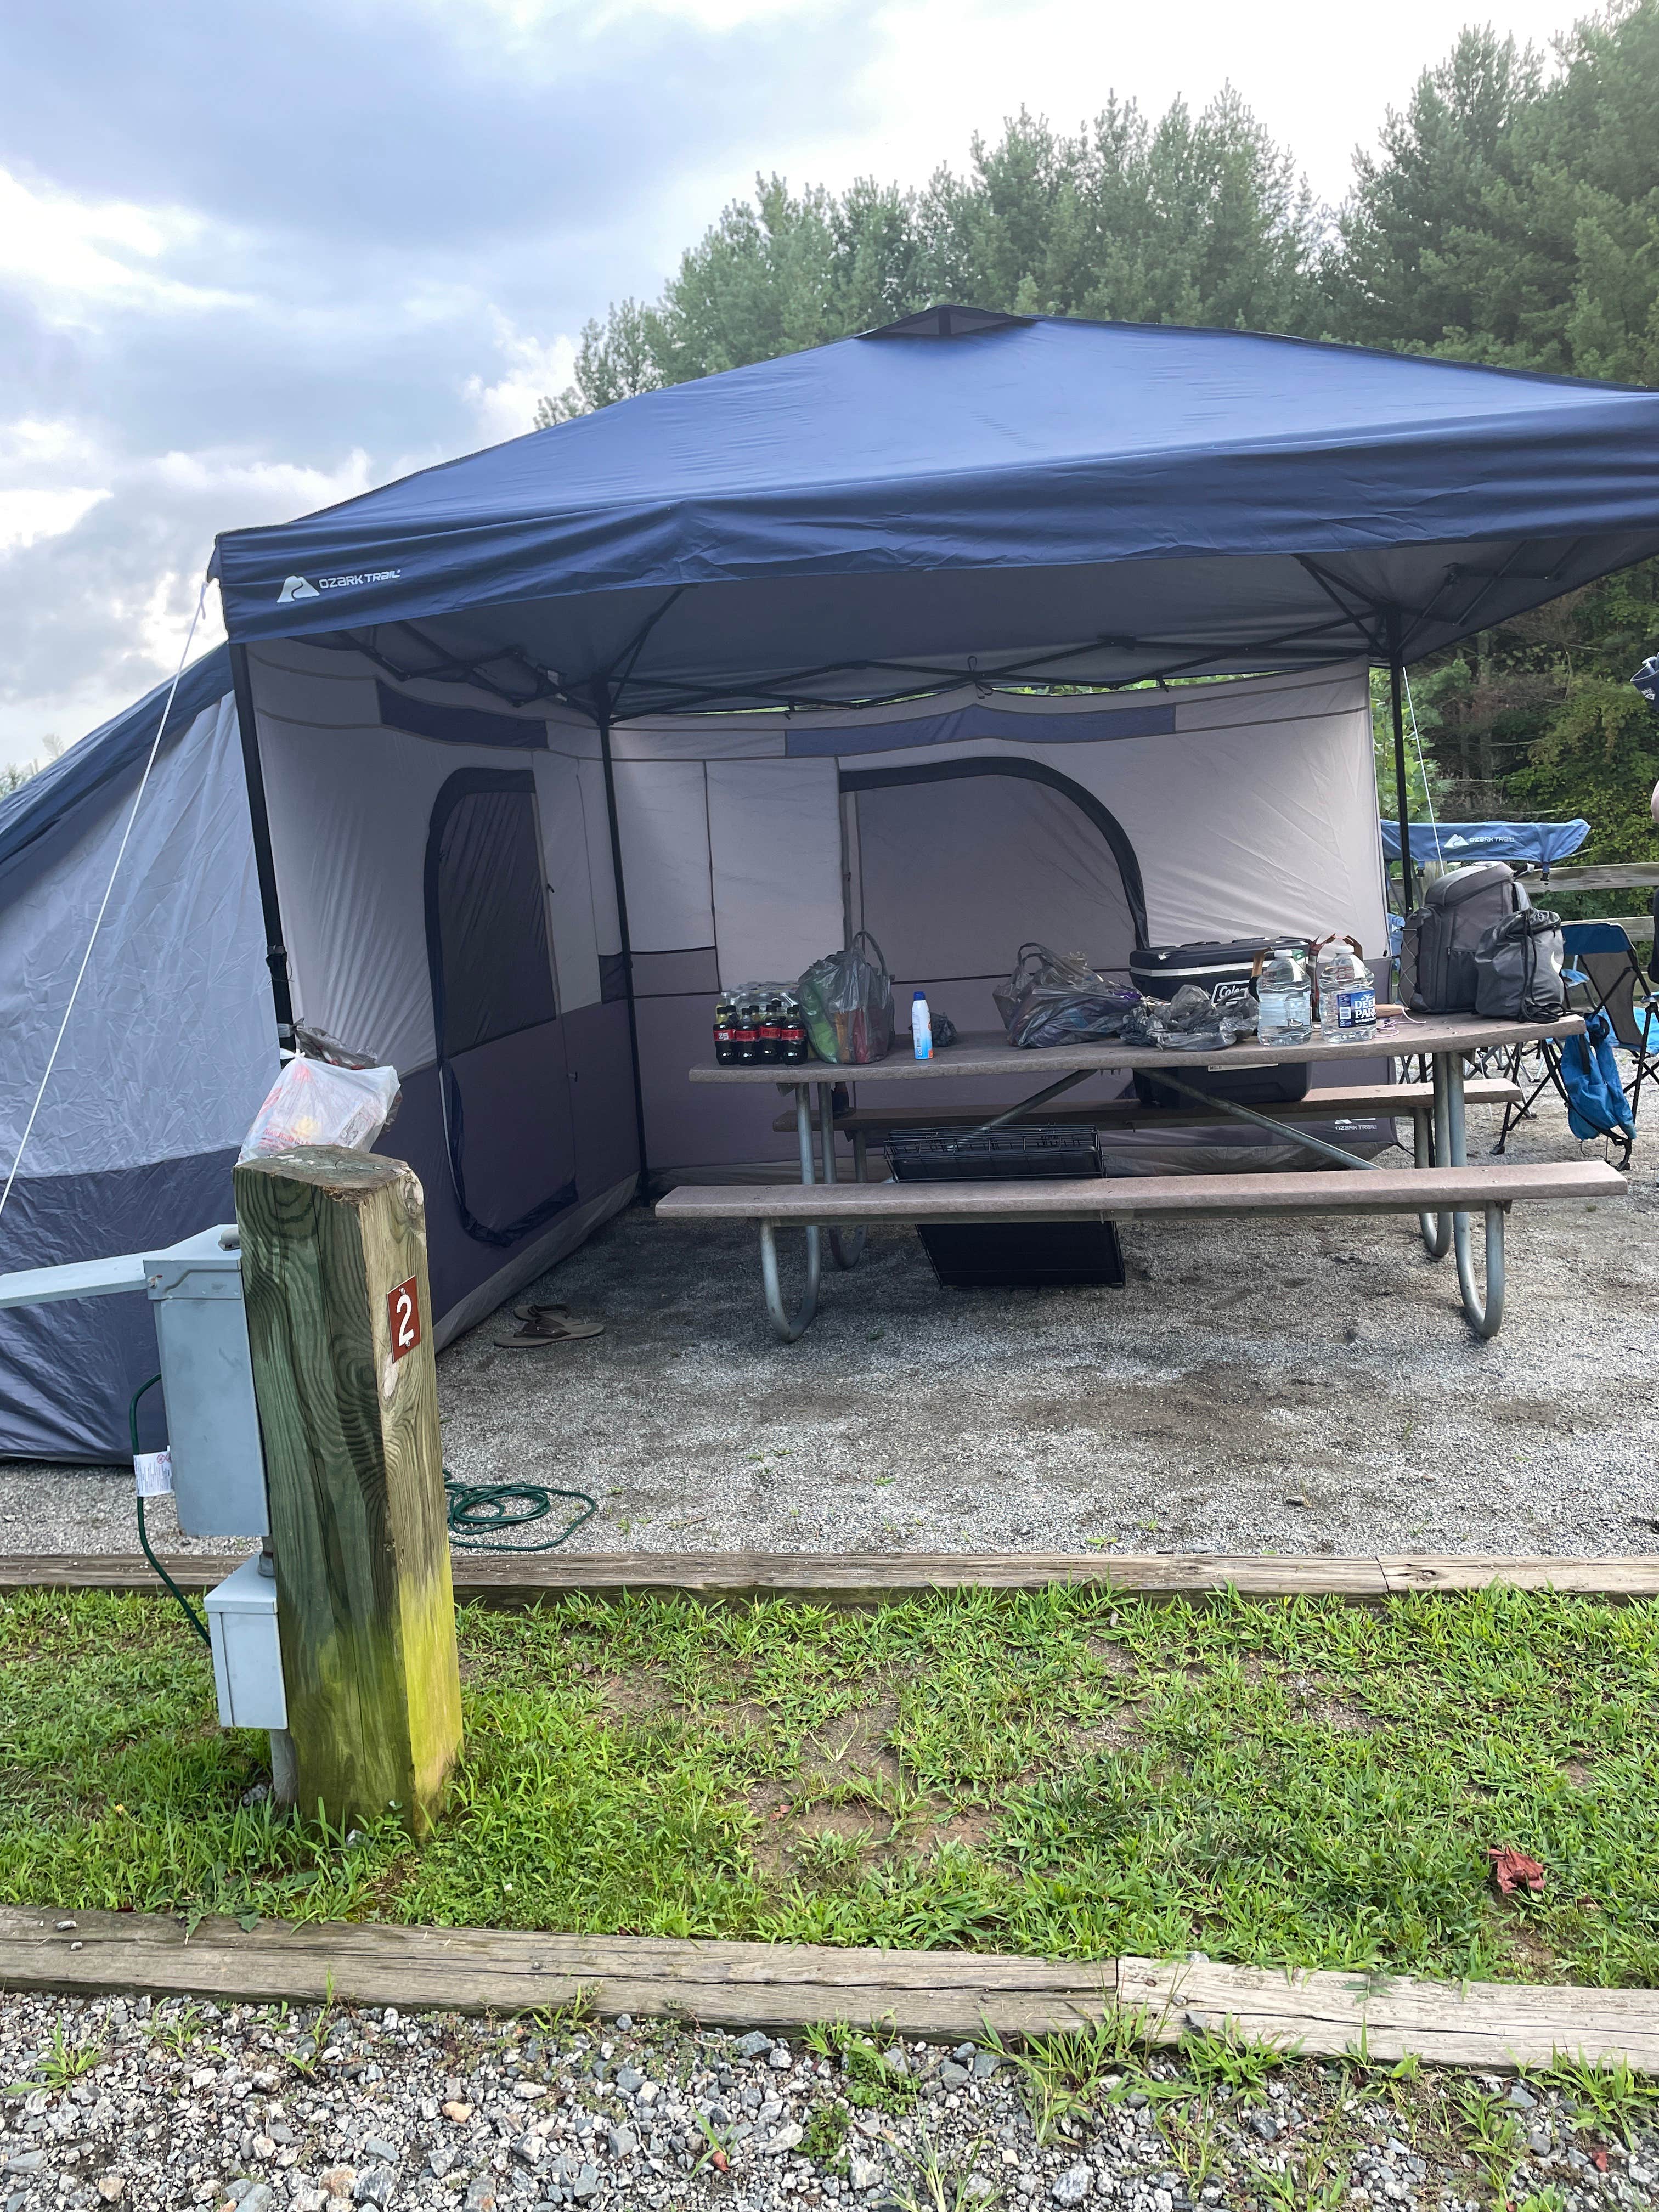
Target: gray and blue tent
(511, 767)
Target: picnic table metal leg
(789, 1325)
(849, 1253)
(1484, 1311)
(1437, 1229)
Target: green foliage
(1190, 220)
(825, 2139)
(1512, 216)
(1425, 785)
(873, 2082)
(1614, 2095)
(1065, 2075)
(60, 2063)
(1066, 1774)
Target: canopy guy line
(1422, 769)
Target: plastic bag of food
(313, 1103)
(847, 999)
(1052, 998)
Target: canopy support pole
(264, 866)
(1396, 688)
(601, 715)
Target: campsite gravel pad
(1271, 1386)
(1257, 1386)
(183, 2105)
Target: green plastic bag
(847, 1001)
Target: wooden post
(340, 1322)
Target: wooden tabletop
(989, 1053)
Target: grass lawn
(1295, 1783)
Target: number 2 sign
(404, 1308)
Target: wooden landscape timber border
(867, 1578)
(944, 1996)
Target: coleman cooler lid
(1194, 961)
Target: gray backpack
(1518, 969)
(1440, 941)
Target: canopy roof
(1028, 501)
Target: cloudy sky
(256, 256)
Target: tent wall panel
(518, 1147)
(1312, 694)
(172, 1047)
(951, 924)
(565, 841)
(698, 1125)
(469, 1279)
(775, 845)
(352, 808)
(710, 736)
(601, 867)
(672, 975)
(663, 809)
(600, 1065)
(349, 879)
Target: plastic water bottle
(1347, 994)
(1285, 997)
(922, 1025)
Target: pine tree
(1201, 221)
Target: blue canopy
(1027, 500)
(1543, 843)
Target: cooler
(1223, 969)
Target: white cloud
(74, 255)
(97, 610)
(531, 367)
(246, 490)
(27, 513)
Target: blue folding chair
(1607, 984)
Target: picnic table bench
(1440, 1188)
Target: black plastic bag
(1052, 998)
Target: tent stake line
(510, 1583)
(940, 1995)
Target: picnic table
(1440, 1187)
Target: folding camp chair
(1604, 976)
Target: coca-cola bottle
(726, 1049)
(794, 1033)
(769, 1041)
(745, 1033)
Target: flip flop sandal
(544, 1325)
(529, 1313)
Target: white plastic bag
(313, 1103)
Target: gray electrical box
(247, 1658)
(207, 1380)
(207, 1369)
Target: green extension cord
(479, 1512)
(185, 1607)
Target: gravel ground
(1266, 1386)
(189, 2106)
(1256, 1385)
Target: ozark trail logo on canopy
(299, 587)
